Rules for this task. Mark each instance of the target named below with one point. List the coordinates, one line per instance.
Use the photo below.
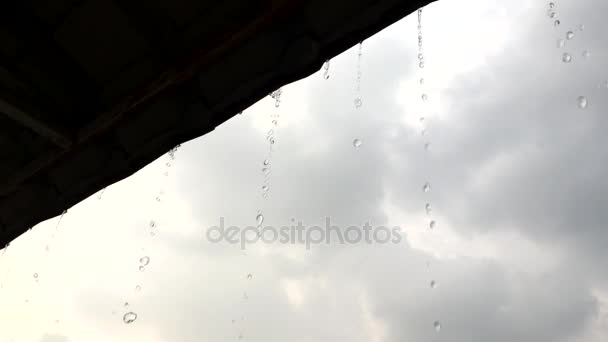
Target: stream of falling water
(358, 101)
(567, 57)
(152, 229)
(426, 187)
(267, 171)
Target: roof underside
(93, 90)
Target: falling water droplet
(582, 102)
(249, 276)
(168, 164)
(437, 326)
(271, 140)
(141, 268)
(561, 43)
(358, 102)
(421, 65)
(424, 97)
(259, 218)
(566, 57)
(137, 288)
(421, 81)
(145, 260)
(586, 54)
(265, 188)
(426, 187)
(266, 170)
(428, 208)
(35, 275)
(129, 317)
(553, 15)
(326, 68)
(432, 224)
(433, 284)
(357, 143)
(551, 5)
(556, 22)
(275, 122)
(266, 162)
(152, 224)
(569, 35)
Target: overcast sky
(518, 191)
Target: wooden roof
(93, 90)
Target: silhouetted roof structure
(93, 90)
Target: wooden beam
(44, 130)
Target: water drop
(266, 162)
(420, 56)
(569, 35)
(551, 5)
(556, 23)
(566, 57)
(586, 54)
(433, 284)
(271, 140)
(168, 164)
(421, 65)
(129, 317)
(266, 170)
(271, 132)
(421, 81)
(357, 143)
(249, 276)
(427, 208)
(326, 68)
(144, 260)
(35, 275)
(437, 325)
(126, 304)
(561, 43)
(432, 224)
(553, 15)
(152, 224)
(259, 218)
(137, 288)
(424, 97)
(358, 102)
(582, 102)
(141, 268)
(275, 122)
(265, 188)
(426, 187)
